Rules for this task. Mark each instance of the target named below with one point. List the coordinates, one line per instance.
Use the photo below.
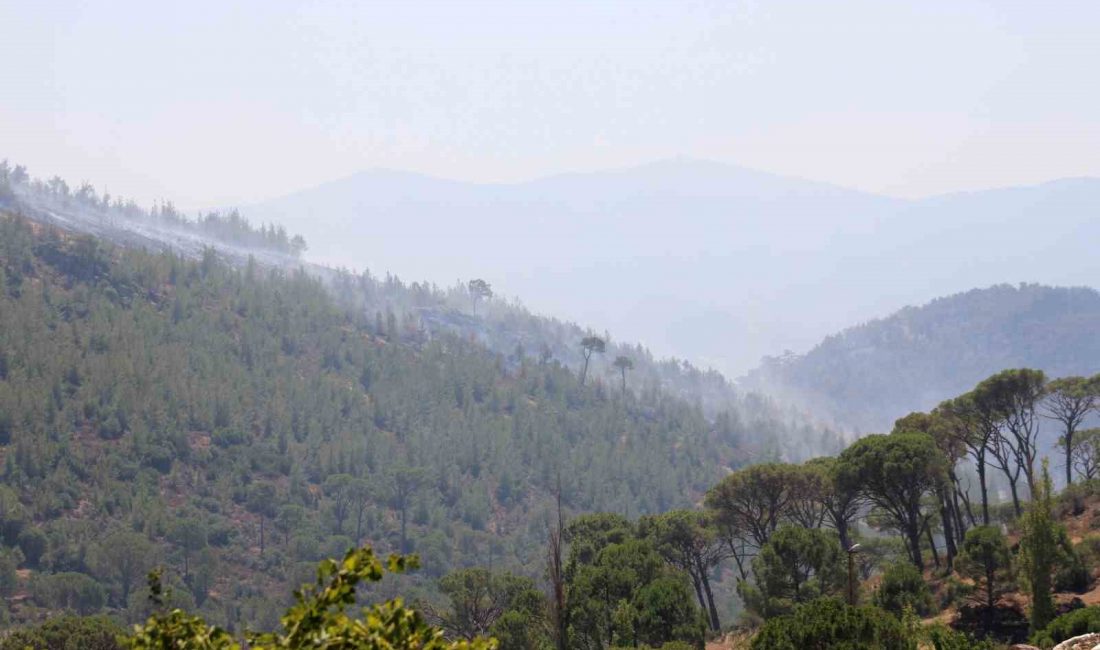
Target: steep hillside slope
(239, 424)
(866, 375)
(422, 310)
(160, 227)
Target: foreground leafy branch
(318, 620)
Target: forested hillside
(239, 424)
(55, 201)
(422, 310)
(864, 376)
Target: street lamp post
(852, 550)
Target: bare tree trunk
(1007, 461)
(932, 545)
(913, 535)
(985, 490)
(1029, 476)
(715, 624)
(989, 600)
(359, 528)
(739, 557)
(1069, 454)
(698, 590)
(841, 525)
(959, 527)
(1015, 495)
(404, 539)
(948, 532)
(960, 530)
(555, 572)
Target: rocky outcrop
(1083, 642)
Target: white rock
(1084, 642)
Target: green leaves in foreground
(319, 619)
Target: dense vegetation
(510, 330)
(239, 425)
(421, 310)
(889, 503)
(319, 618)
(864, 376)
(234, 425)
(786, 527)
(780, 528)
(613, 582)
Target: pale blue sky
(212, 102)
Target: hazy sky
(213, 102)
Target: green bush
(6, 425)
(515, 630)
(67, 633)
(33, 543)
(1072, 575)
(944, 638)
(228, 437)
(904, 586)
(671, 645)
(666, 613)
(829, 623)
(9, 579)
(1089, 549)
(1072, 500)
(70, 590)
(955, 592)
(877, 553)
(1067, 626)
(797, 565)
(1002, 513)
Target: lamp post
(852, 550)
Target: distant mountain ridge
(711, 262)
(911, 360)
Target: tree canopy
(895, 472)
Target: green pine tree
(1039, 550)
